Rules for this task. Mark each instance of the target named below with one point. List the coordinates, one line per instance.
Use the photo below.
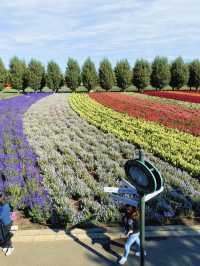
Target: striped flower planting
(171, 116)
(193, 97)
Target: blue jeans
(133, 238)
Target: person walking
(131, 223)
(5, 226)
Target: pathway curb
(102, 233)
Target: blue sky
(57, 29)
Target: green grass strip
(178, 148)
(4, 95)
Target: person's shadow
(98, 237)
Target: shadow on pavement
(165, 251)
(104, 242)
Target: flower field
(193, 97)
(54, 164)
(161, 100)
(19, 175)
(178, 148)
(76, 160)
(169, 115)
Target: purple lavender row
(19, 176)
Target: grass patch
(5, 94)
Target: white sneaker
(138, 253)
(4, 250)
(9, 251)
(122, 260)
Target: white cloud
(122, 28)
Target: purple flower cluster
(19, 175)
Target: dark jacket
(131, 224)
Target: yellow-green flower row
(180, 149)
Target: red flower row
(193, 97)
(172, 116)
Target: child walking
(132, 231)
(5, 226)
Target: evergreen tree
(123, 74)
(160, 75)
(3, 73)
(106, 75)
(62, 81)
(54, 76)
(8, 77)
(36, 71)
(89, 75)
(141, 74)
(179, 73)
(73, 74)
(194, 74)
(43, 81)
(17, 72)
(26, 77)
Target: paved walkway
(161, 252)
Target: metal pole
(142, 230)
(141, 155)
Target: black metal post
(142, 230)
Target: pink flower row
(172, 116)
(186, 96)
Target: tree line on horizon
(159, 74)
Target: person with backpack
(131, 223)
(5, 226)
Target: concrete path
(174, 251)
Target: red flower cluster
(172, 116)
(186, 96)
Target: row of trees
(32, 75)
(158, 74)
